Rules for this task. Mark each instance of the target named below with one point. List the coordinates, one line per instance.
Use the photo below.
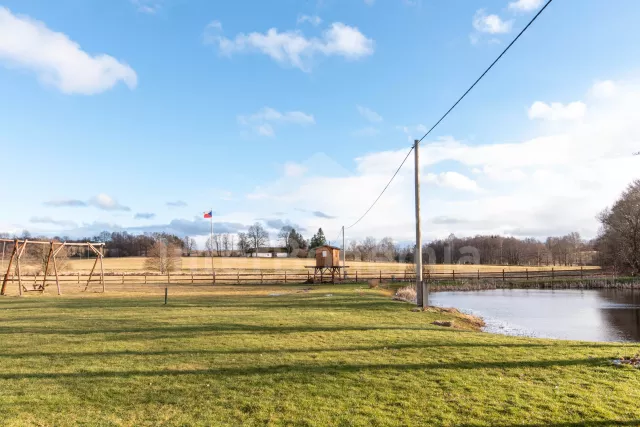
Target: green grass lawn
(237, 356)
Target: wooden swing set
(19, 247)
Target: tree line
(617, 245)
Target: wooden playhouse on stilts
(328, 267)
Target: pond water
(589, 315)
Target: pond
(589, 315)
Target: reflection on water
(589, 315)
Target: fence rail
(280, 277)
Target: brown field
(189, 264)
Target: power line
(451, 109)
(383, 190)
(487, 70)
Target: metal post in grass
(166, 295)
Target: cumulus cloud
(56, 59)
(491, 24)
(107, 203)
(369, 114)
(293, 48)
(525, 5)
(262, 122)
(557, 111)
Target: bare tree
(258, 236)
(189, 245)
(225, 243)
(243, 243)
(387, 249)
(368, 248)
(163, 257)
(209, 247)
(619, 239)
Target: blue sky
(200, 102)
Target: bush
(408, 293)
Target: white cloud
(556, 182)
(262, 122)
(603, 89)
(292, 48)
(491, 24)
(452, 180)
(150, 7)
(57, 60)
(557, 111)
(314, 20)
(292, 169)
(369, 114)
(107, 203)
(525, 5)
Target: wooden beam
(46, 268)
(55, 270)
(6, 276)
(91, 274)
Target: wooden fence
(292, 277)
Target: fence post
(261, 278)
(553, 274)
(145, 278)
(527, 270)
(405, 275)
(192, 278)
(581, 272)
(478, 274)
(285, 276)
(78, 278)
(123, 278)
(453, 274)
(308, 275)
(214, 277)
(166, 295)
(238, 277)
(503, 280)
(380, 276)
(356, 276)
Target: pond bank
(481, 285)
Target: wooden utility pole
(422, 297)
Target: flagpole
(212, 269)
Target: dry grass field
(188, 264)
